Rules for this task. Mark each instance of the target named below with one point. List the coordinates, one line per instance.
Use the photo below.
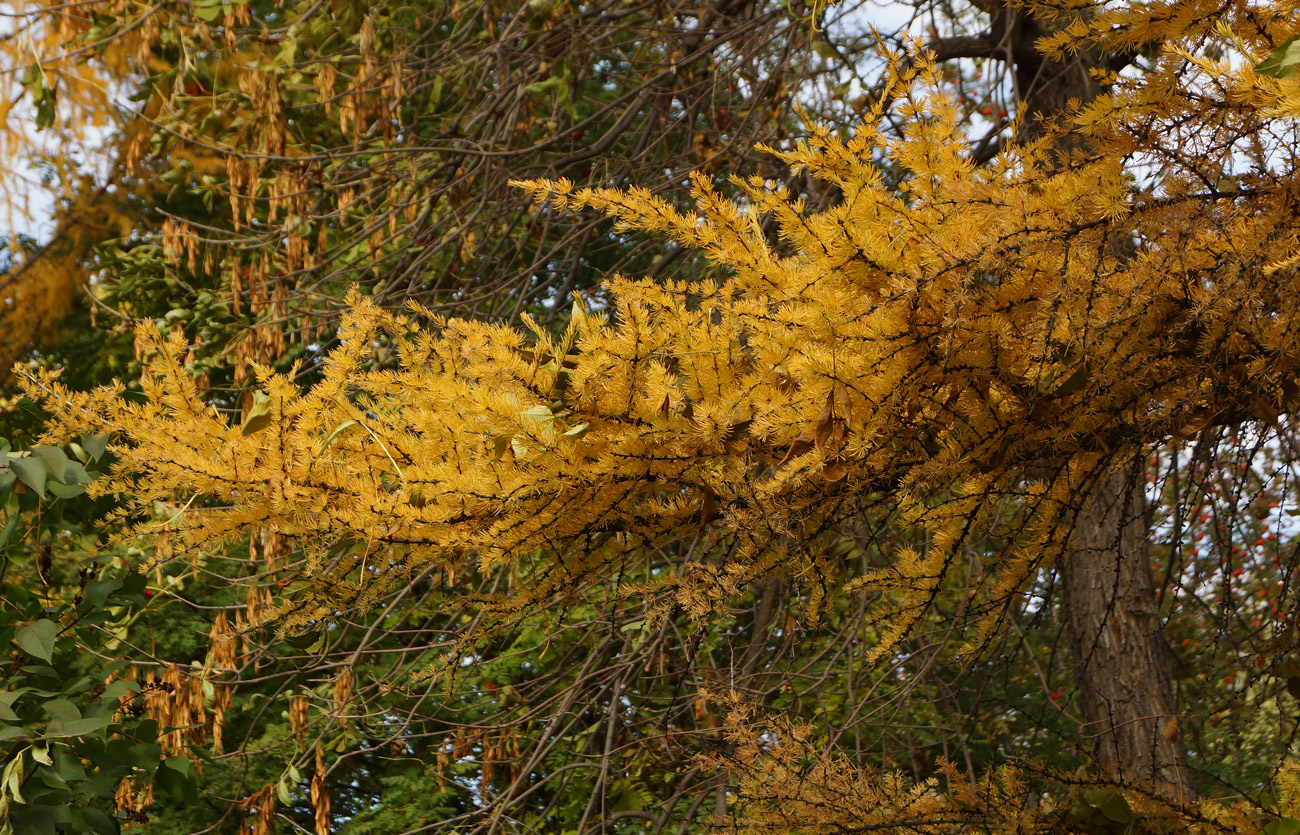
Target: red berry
(988, 111)
(148, 592)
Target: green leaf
(77, 727)
(578, 431)
(1283, 62)
(99, 821)
(181, 765)
(66, 491)
(1282, 826)
(97, 592)
(537, 414)
(118, 689)
(69, 766)
(259, 416)
(45, 111)
(144, 755)
(1112, 804)
(62, 710)
(43, 95)
(95, 445)
(75, 473)
(826, 50)
(9, 528)
(56, 462)
(13, 779)
(37, 639)
(37, 820)
(552, 85)
(32, 472)
(175, 776)
(7, 712)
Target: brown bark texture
(1125, 691)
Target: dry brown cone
(264, 804)
(320, 799)
(298, 716)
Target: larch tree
(969, 350)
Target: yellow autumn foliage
(932, 346)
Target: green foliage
(70, 727)
(1104, 812)
(1283, 62)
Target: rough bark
(1124, 687)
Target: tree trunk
(1114, 630)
